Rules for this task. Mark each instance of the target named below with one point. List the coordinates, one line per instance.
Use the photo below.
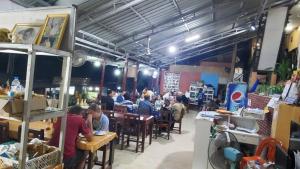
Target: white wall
(9, 5)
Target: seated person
(145, 107)
(100, 121)
(73, 157)
(178, 109)
(108, 100)
(120, 97)
(158, 103)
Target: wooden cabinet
(282, 121)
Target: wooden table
(147, 121)
(37, 125)
(97, 143)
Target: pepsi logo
(237, 97)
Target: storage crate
(42, 162)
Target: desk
(96, 143)
(147, 121)
(37, 125)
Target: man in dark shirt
(108, 100)
(145, 107)
(73, 157)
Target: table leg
(112, 152)
(143, 137)
(150, 133)
(91, 160)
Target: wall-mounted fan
(224, 151)
(79, 58)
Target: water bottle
(15, 84)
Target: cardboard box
(16, 106)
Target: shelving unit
(38, 15)
(33, 51)
(194, 90)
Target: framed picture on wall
(24, 33)
(53, 30)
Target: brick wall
(261, 102)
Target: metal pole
(102, 79)
(125, 74)
(234, 53)
(27, 107)
(64, 99)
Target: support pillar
(102, 79)
(125, 75)
(234, 53)
(135, 82)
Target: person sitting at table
(158, 103)
(178, 108)
(108, 100)
(120, 97)
(73, 157)
(145, 107)
(100, 121)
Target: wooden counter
(282, 122)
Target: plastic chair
(269, 144)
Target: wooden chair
(269, 144)
(4, 132)
(179, 122)
(164, 122)
(120, 109)
(131, 127)
(32, 133)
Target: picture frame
(53, 30)
(25, 33)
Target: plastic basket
(41, 162)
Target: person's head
(126, 96)
(95, 110)
(75, 110)
(147, 97)
(110, 93)
(178, 99)
(200, 90)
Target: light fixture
(146, 72)
(119, 88)
(97, 64)
(258, 44)
(289, 27)
(90, 88)
(97, 89)
(192, 38)
(155, 74)
(117, 72)
(253, 28)
(172, 49)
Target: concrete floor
(176, 153)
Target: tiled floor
(176, 153)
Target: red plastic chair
(269, 144)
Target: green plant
(284, 69)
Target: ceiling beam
(181, 15)
(141, 16)
(162, 23)
(109, 14)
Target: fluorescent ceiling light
(117, 72)
(253, 27)
(172, 49)
(192, 38)
(97, 64)
(97, 89)
(155, 74)
(146, 72)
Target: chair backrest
(120, 109)
(103, 106)
(269, 144)
(109, 113)
(131, 120)
(32, 133)
(112, 120)
(4, 132)
(166, 115)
